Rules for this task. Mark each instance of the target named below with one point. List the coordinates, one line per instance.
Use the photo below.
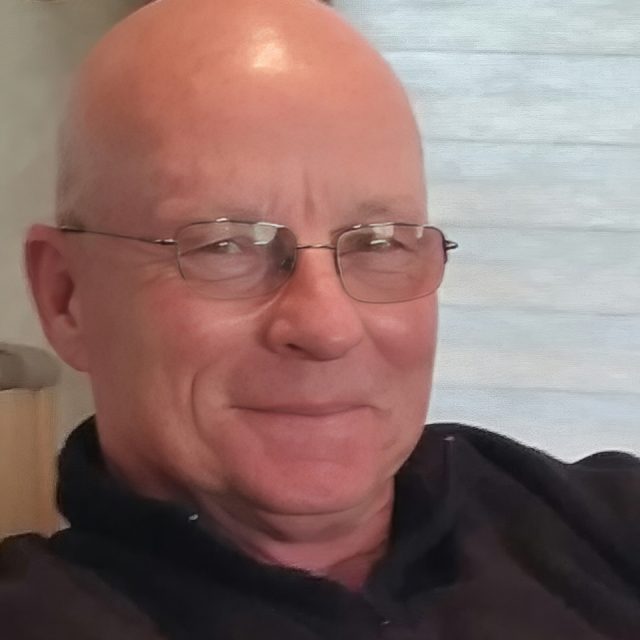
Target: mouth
(308, 431)
(306, 410)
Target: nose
(312, 317)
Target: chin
(313, 489)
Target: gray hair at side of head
(66, 187)
(76, 200)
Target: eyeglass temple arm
(161, 241)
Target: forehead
(296, 172)
(297, 150)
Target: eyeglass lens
(379, 263)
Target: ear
(55, 293)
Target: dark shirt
(492, 540)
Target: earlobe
(55, 294)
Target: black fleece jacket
(492, 540)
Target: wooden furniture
(28, 440)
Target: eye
(227, 246)
(381, 244)
(371, 243)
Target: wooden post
(27, 461)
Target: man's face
(303, 401)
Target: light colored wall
(530, 112)
(40, 43)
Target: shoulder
(602, 488)
(502, 449)
(36, 589)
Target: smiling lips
(308, 409)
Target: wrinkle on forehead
(185, 70)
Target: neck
(343, 547)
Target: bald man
(242, 264)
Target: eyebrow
(393, 209)
(369, 210)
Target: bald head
(179, 71)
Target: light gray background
(531, 117)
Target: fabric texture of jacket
(492, 540)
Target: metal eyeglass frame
(448, 245)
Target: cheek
(405, 334)
(150, 345)
(172, 361)
(186, 333)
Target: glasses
(229, 259)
